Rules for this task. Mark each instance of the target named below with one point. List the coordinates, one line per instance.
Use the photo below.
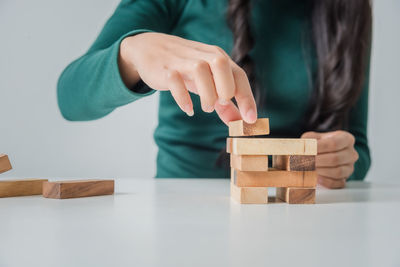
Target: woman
(303, 64)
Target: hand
(167, 62)
(336, 157)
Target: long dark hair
(341, 33)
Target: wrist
(127, 68)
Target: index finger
(244, 96)
(227, 112)
(332, 142)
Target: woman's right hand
(166, 62)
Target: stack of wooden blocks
(293, 165)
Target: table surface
(193, 222)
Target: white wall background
(39, 38)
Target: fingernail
(190, 113)
(251, 116)
(223, 102)
(208, 109)
(189, 110)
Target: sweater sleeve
(91, 86)
(358, 127)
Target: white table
(193, 222)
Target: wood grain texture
(228, 145)
(241, 128)
(274, 178)
(296, 195)
(249, 162)
(249, 195)
(74, 189)
(5, 164)
(16, 188)
(273, 146)
(294, 163)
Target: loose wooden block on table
(5, 164)
(249, 195)
(294, 163)
(241, 128)
(74, 189)
(274, 178)
(27, 187)
(273, 146)
(296, 195)
(249, 162)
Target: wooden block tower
(293, 165)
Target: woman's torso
(190, 146)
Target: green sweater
(91, 86)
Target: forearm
(92, 87)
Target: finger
(343, 157)
(223, 78)
(244, 96)
(220, 65)
(335, 141)
(339, 172)
(205, 85)
(331, 183)
(228, 112)
(191, 86)
(180, 93)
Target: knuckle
(344, 171)
(200, 66)
(352, 139)
(172, 75)
(216, 49)
(220, 61)
(348, 136)
(351, 170)
(241, 73)
(356, 156)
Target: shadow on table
(356, 192)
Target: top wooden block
(272, 146)
(241, 128)
(5, 164)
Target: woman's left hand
(336, 157)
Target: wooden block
(249, 162)
(228, 145)
(241, 128)
(274, 178)
(5, 164)
(273, 146)
(74, 189)
(296, 195)
(249, 195)
(16, 188)
(294, 163)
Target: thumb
(312, 135)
